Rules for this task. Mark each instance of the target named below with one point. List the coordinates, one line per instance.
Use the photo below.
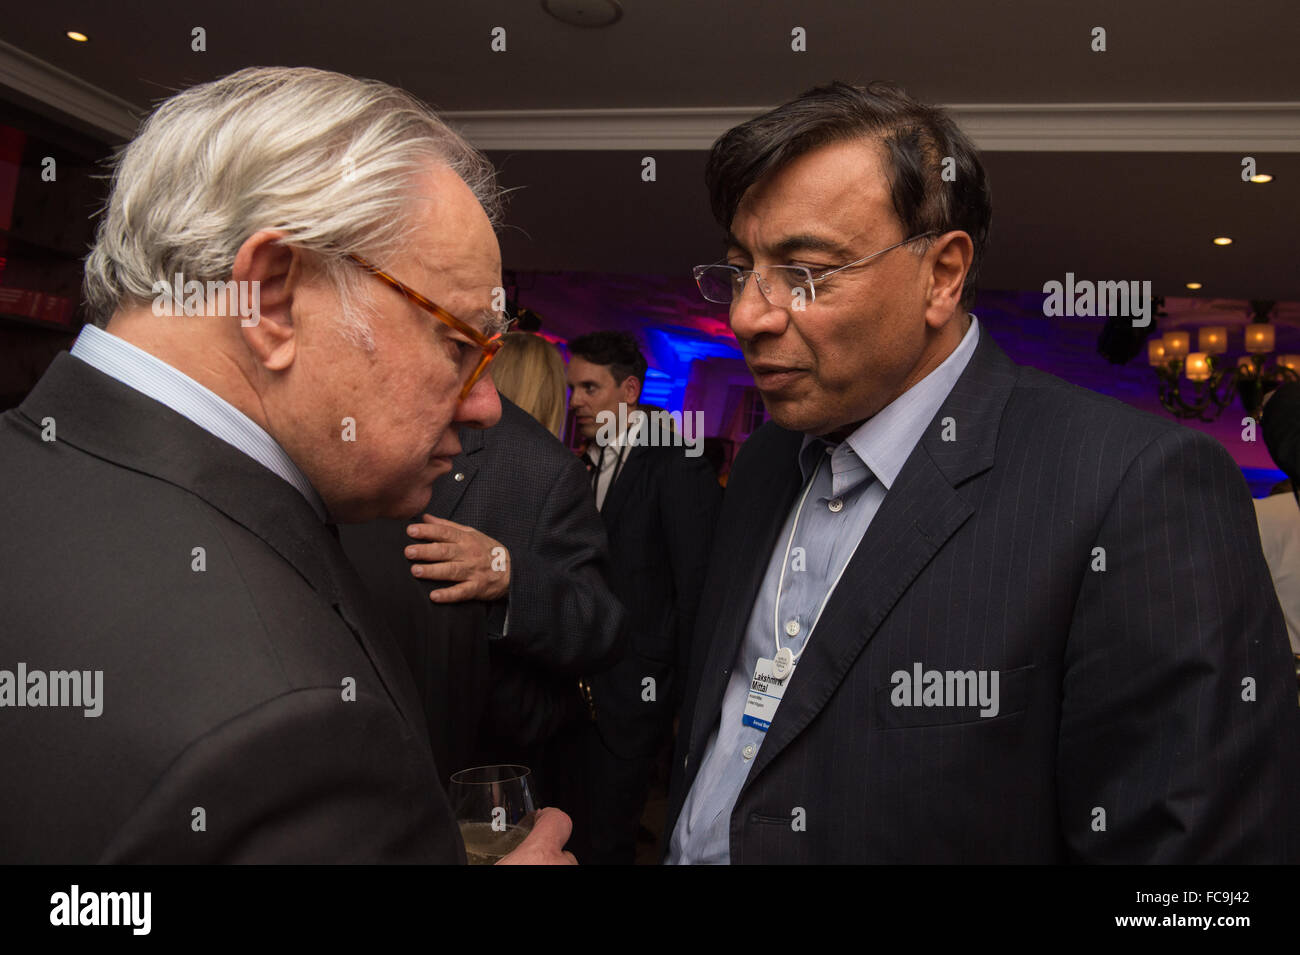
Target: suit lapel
(919, 514)
(102, 416)
(753, 514)
(620, 491)
(921, 511)
(447, 491)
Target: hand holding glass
(495, 807)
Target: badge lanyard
(785, 660)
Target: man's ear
(631, 390)
(950, 259)
(274, 273)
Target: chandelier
(1201, 384)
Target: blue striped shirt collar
(885, 441)
(153, 377)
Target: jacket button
(460, 475)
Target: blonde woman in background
(530, 372)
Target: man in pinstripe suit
(958, 610)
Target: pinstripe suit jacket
(1127, 729)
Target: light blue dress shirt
(153, 377)
(849, 484)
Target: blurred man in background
(659, 506)
(1279, 513)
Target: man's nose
(753, 315)
(481, 408)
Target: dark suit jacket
(522, 487)
(441, 643)
(660, 516)
(1121, 690)
(224, 688)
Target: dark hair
(618, 350)
(1280, 425)
(916, 139)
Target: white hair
(326, 158)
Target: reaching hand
(479, 564)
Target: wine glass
(494, 806)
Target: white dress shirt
(608, 462)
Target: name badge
(765, 692)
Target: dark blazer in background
(1120, 690)
(223, 688)
(659, 516)
(442, 644)
(516, 483)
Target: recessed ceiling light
(79, 37)
(1261, 177)
(1193, 285)
(584, 13)
(1223, 240)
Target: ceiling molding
(66, 93)
(1009, 127)
(1000, 127)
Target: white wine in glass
(494, 806)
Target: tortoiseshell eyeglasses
(489, 343)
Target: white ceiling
(1111, 175)
(691, 53)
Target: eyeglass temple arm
(841, 268)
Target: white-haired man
(174, 480)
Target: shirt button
(748, 751)
(835, 505)
(792, 627)
(460, 475)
